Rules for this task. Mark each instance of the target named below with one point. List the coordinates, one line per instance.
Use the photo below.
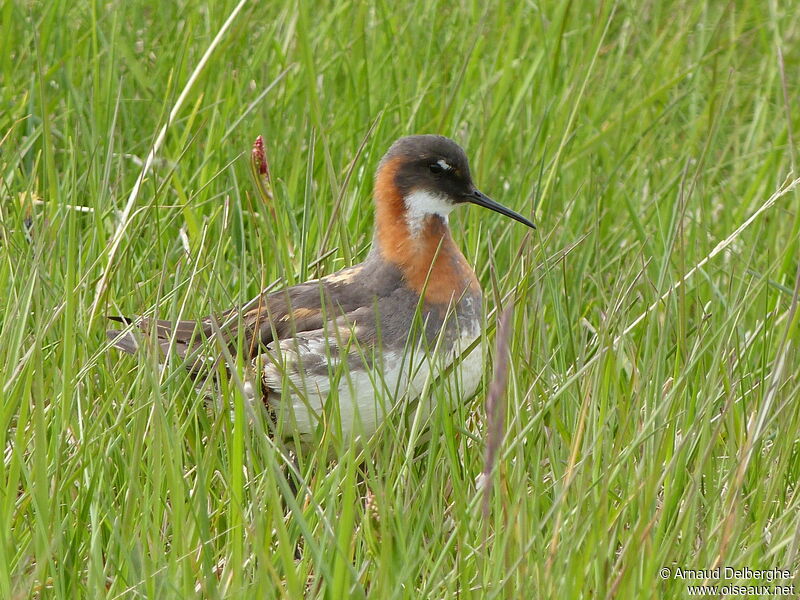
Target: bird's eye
(436, 168)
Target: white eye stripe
(444, 164)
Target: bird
(370, 334)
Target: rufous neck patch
(428, 257)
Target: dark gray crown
(415, 147)
(430, 162)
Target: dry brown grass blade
(127, 211)
(495, 406)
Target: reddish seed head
(259, 156)
(260, 170)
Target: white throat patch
(420, 204)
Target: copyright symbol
(664, 572)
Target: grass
(642, 134)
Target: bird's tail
(179, 337)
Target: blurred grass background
(639, 133)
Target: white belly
(365, 396)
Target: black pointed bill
(481, 199)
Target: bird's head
(428, 175)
